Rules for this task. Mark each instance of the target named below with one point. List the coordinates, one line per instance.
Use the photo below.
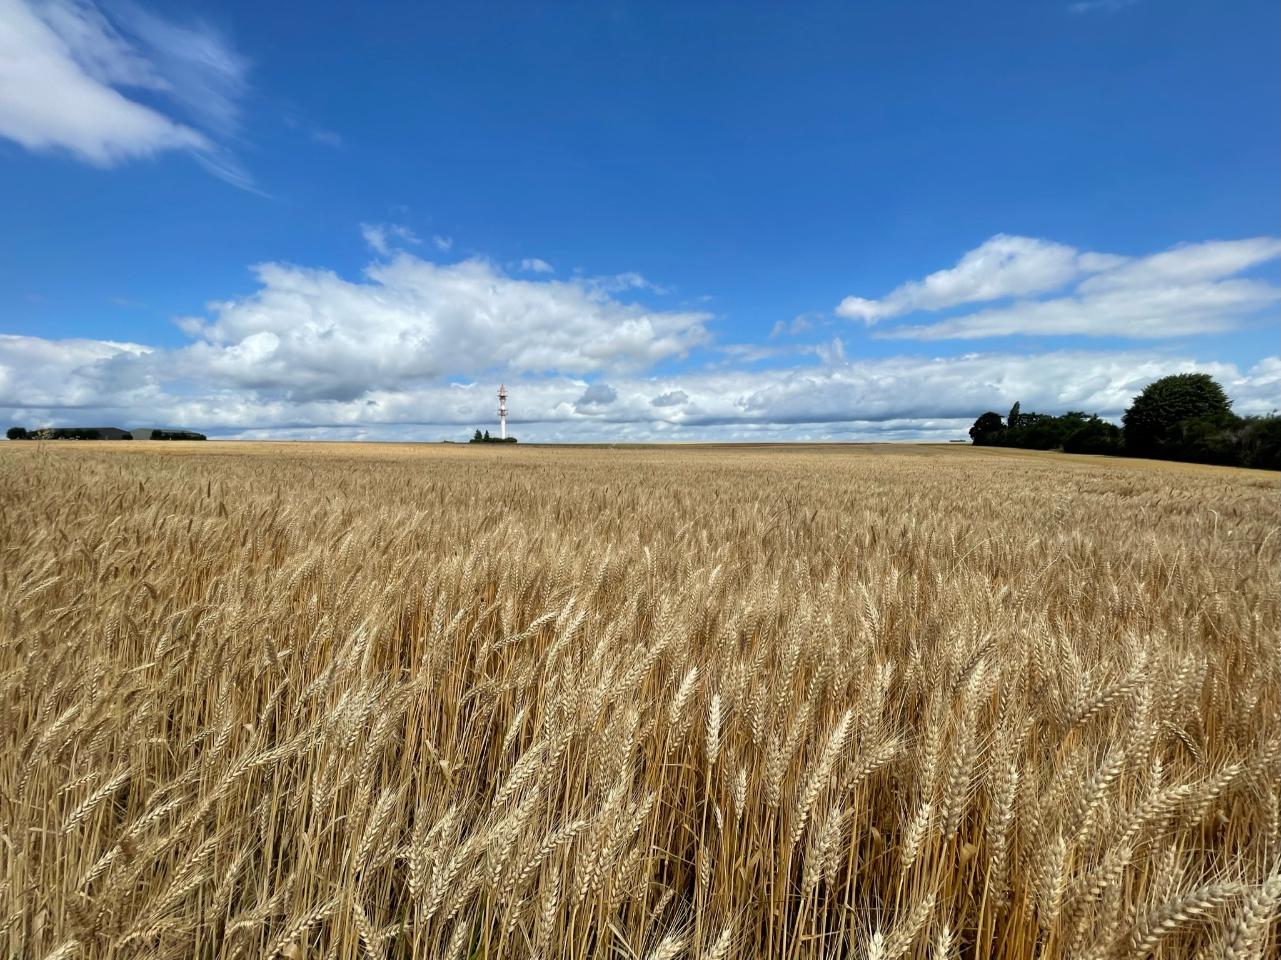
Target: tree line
(98, 433)
(1186, 416)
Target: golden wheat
(378, 702)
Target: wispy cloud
(1189, 289)
(201, 73)
(384, 237)
(294, 120)
(65, 67)
(1100, 6)
(628, 280)
(802, 323)
(535, 265)
(1003, 266)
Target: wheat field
(344, 701)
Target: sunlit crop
(366, 702)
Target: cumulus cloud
(596, 397)
(309, 333)
(412, 349)
(73, 374)
(1190, 289)
(64, 65)
(905, 397)
(671, 398)
(535, 265)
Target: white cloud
(1004, 266)
(801, 323)
(1145, 313)
(78, 381)
(383, 237)
(1189, 289)
(311, 333)
(1186, 264)
(201, 73)
(49, 100)
(412, 349)
(535, 265)
(62, 65)
(443, 244)
(70, 375)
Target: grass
(292, 700)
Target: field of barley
(345, 701)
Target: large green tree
(987, 429)
(1153, 425)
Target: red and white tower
(502, 411)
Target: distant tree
(1213, 438)
(486, 434)
(17, 433)
(1260, 442)
(176, 435)
(987, 429)
(1154, 423)
(1040, 431)
(1228, 440)
(478, 437)
(72, 433)
(1094, 436)
(1014, 420)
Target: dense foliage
(1156, 421)
(1074, 431)
(176, 435)
(1186, 416)
(97, 433)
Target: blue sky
(651, 220)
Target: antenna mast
(502, 411)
